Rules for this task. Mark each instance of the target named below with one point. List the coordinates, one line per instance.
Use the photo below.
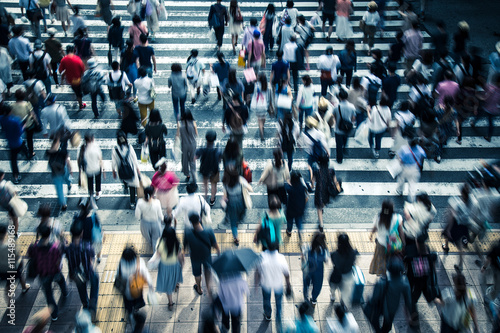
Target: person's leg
(266, 299)
(339, 140)
(371, 137)
(386, 326)
(378, 141)
(46, 282)
(143, 110)
(290, 159)
(213, 190)
(235, 322)
(278, 295)
(306, 281)
(317, 282)
(23, 66)
(348, 77)
(90, 184)
(490, 125)
(98, 183)
(82, 292)
(225, 320)
(289, 222)
(175, 102)
(44, 9)
(29, 141)
(324, 87)
(58, 183)
(132, 195)
(94, 291)
(55, 66)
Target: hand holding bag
(246, 196)
(144, 153)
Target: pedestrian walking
(148, 211)
(466, 104)
(35, 94)
(388, 227)
(200, 241)
(460, 38)
(305, 37)
(20, 48)
(296, 203)
(72, 69)
(90, 165)
(290, 12)
(357, 97)
(236, 117)
(270, 272)
(345, 321)
(284, 99)
(328, 15)
(146, 93)
(288, 136)
(369, 24)
(316, 146)
(129, 117)
(54, 116)
(137, 29)
(343, 260)
(448, 125)
(192, 203)
(324, 115)
(417, 218)
(195, 70)
(77, 21)
(268, 231)
(105, 10)
(11, 271)
(155, 137)
(57, 232)
(171, 257)
(256, 52)
(47, 255)
(275, 175)
(313, 261)
(59, 164)
(232, 291)
(92, 228)
(325, 180)
(8, 191)
(144, 56)
(221, 69)
(490, 108)
(40, 65)
(235, 23)
(55, 50)
(280, 70)
(491, 260)
(13, 129)
(124, 165)
(232, 157)
(217, 19)
(343, 28)
(115, 38)
(412, 158)
(210, 157)
(165, 183)
(83, 45)
(261, 102)
(188, 132)
(24, 111)
(390, 85)
(379, 118)
(80, 256)
(230, 86)
(62, 14)
(348, 61)
(344, 114)
(94, 79)
(328, 64)
(152, 17)
(304, 102)
(118, 85)
(270, 20)
(412, 39)
(291, 55)
(305, 321)
(34, 14)
(179, 85)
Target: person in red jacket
(72, 69)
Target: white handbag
(394, 167)
(214, 80)
(18, 205)
(284, 102)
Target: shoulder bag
(344, 125)
(247, 200)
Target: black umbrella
(235, 261)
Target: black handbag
(120, 281)
(34, 14)
(344, 125)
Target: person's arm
(374, 230)
(154, 62)
(402, 234)
(263, 61)
(195, 128)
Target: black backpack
(57, 162)
(116, 92)
(373, 88)
(424, 108)
(319, 153)
(39, 67)
(125, 170)
(344, 125)
(287, 139)
(31, 95)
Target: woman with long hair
(232, 157)
(269, 14)
(165, 184)
(341, 278)
(288, 135)
(188, 132)
(275, 175)
(233, 187)
(235, 26)
(155, 132)
(313, 261)
(148, 210)
(171, 261)
(305, 98)
(260, 102)
(385, 225)
(129, 118)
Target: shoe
(171, 306)
(328, 39)
(98, 196)
(458, 141)
(25, 290)
(320, 229)
(288, 233)
(376, 154)
(96, 116)
(446, 249)
(187, 179)
(83, 106)
(132, 206)
(64, 208)
(478, 263)
(268, 318)
(16, 180)
(193, 100)
(125, 189)
(332, 298)
(457, 268)
(236, 241)
(437, 159)
(211, 203)
(399, 192)
(487, 138)
(199, 292)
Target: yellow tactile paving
(111, 313)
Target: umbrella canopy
(234, 261)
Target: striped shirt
(79, 254)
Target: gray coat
(178, 83)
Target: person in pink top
(490, 108)
(165, 184)
(343, 27)
(447, 87)
(138, 27)
(256, 54)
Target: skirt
(344, 29)
(151, 231)
(168, 199)
(235, 28)
(62, 13)
(168, 277)
(379, 262)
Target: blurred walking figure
(195, 70)
(115, 38)
(235, 23)
(188, 132)
(313, 261)
(342, 278)
(124, 165)
(91, 165)
(165, 184)
(60, 166)
(210, 157)
(155, 137)
(296, 203)
(148, 211)
(179, 85)
(371, 19)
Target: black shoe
(211, 203)
(193, 100)
(328, 39)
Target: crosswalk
(366, 182)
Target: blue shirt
(222, 71)
(13, 130)
(280, 69)
(20, 48)
(144, 53)
(407, 158)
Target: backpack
(125, 170)
(319, 153)
(394, 243)
(267, 234)
(137, 282)
(31, 95)
(191, 73)
(115, 88)
(90, 82)
(373, 88)
(287, 139)
(57, 164)
(5, 196)
(424, 108)
(344, 125)
(39, 67)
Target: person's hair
(76, 229)
(288, 20)
(384, 100)
(191, 187)
(350, 44)
(414, 142)
(386, 213)
(329, 50)
(318, 242)
(142, 72)
(415, 24)
(448, 102)
(399, 35)
(231, 177)
(283, 83)
(448, 75)
(391, 68)
(185, 117)
(377, 53)
(274, 202)
(343, 94)
(278, 157)
(143, 38)
(423, 197)
(148, 193)
(344, 246)
(155, 116)
(356, 83)
(115, 65)
(17, 30)
(176, 68)
(20, 94)
(295, 178)
(116, 21)
(263, 81)
(136, 19)
(170, 240)
(44, 230)
(232, 149)
(273, 246)
(43, 211)
(220, 57)
(193, 54)
(85, 206)
(3, 230)
(76, 9)
(194, 218)
(231, 77)
(279, 54)
(121, 138)
(307, 80)
(465, 192)
(80, 32)
(404, 105)
(233, 5)
(395, 266)
(130, 45)
(460, 283)
(293, 39)
(167, 220)
(5, 109)
(88, 137)
(427, 57)
(270, 9)
(440, 24)
(70, 49)
(129, 254)
(301, 19)
(253, 21)
(289, 4)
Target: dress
(62, 12)
(343, 27)
(235, 28)
(188, 147)
(323, 177)
(166, 188)
(169, 270)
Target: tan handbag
(18, 205)
(246, 196)
(76, 139)
(143, 183)
(83, 181)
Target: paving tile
(161, 314)
(186, 327)
(161, 327)
(261, 326)
(187, 313)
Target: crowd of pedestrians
(448, 87)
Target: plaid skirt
(379, 261)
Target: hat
(91, 63)
(52, 31)
(462, 25)
(372, 5)
(211, 136)
(311, 122)
(51, 98)
(322, 103)
(160, 162)
(256, 33)
(38, 44)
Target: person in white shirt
(285, 33)
(90, 163)
(305, 98)
(144, 85)
(113, 77)
(290, 55)
(149, 211)
(124, 151)
(5, 70)
(328, 64)
(270, 272)
(379, 118)
(193, 203)
(54, 115)
(195, 70)
(290, 12)
(371, 19)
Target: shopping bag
(361, 135)
(83, 181)
(144, 182)
(284, 102)
(214, 80)
(176, 149)
(76, 139)
(211, 36)
(249, 75)
(394, 167)
(162, 12)
(18, 205)
(145, 153)
(241, 59)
